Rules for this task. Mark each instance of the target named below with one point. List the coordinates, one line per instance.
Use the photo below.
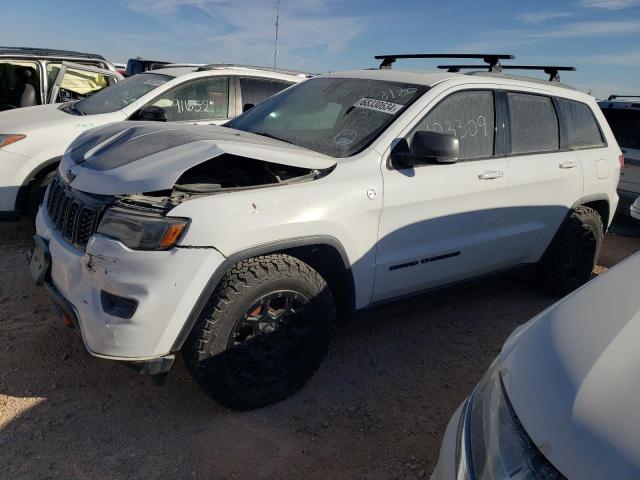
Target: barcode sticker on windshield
(378, 105)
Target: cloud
(610, 4)
(542, 16)
(588, 29)
(310, 32)
(630, 58)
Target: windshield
(625, 124)
(335, 116)
(121, 94)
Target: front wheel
(263, 333)
(571, 257)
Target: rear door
(545, 177)
(253, 90)
(73, 81)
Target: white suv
(32, 140)
(241, 244)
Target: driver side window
(469, 116)
(202, 99)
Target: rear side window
(534, 124)
(582, 128)
(469, 116)
(255, 90)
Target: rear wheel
(263, 333)
(570, 259)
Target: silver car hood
(136, 157)
(572, 375)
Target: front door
(446, 222)
(74, 81)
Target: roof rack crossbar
(613, 97)
(492, 59)
(551, 70)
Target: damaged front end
(123, 180)
(112, 226)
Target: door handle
(491, 174)
(568, 164)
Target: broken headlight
(500, 447)
(141, 231)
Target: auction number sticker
(378, 105)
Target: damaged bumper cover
(164, 287)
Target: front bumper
(11, 168)
(165, 285)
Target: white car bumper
(634, 210)
(164, 286)
(10, 167)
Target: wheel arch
(601, 204)
(30, 180)
(323, 253)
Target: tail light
(621, 160)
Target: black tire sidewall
(216, 371)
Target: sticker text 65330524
(378, 105)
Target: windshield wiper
(264, 134)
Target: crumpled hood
(136, 157)
(572, 375)
(22, 120)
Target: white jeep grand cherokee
(241, 244)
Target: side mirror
(434, 147)
(151, 114)
(247, 106)
(426, 147)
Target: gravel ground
(376, 409)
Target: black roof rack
(492, 59)
(613, 97)
(47, 52)
(551, 70)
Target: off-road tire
(569, 261)
(35, 196)
(213, 362)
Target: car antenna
(275, 42)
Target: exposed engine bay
(225, 173)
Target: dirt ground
(376, 409)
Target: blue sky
(600, 37)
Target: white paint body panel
(165, 284)
(572, 376)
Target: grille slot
(73, 215)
